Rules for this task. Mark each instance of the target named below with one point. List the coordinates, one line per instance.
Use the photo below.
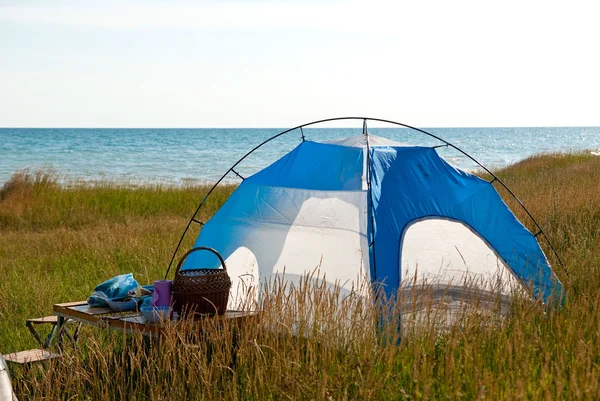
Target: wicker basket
(201, 291)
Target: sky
(283, 63)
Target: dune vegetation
(58, 242)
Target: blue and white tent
(368, 208)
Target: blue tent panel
(412, 183)
(318, 166)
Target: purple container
(162, 293)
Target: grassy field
(57, 243)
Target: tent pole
(370, 206)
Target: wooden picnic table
(80, 313)
(130, 322)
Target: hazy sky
(283, 63)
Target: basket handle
(200, 248)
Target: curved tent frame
(364, 131)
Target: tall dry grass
(57, 243)
(561, 191)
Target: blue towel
(114, 289)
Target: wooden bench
(52, 320)
(42, 353)
(30, 355)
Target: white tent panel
(243, 271)
(327, 234)
(337, 256)
(361, 141)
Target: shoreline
(72, 180)
(175, 158)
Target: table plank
(81, 311)
(67, 304)
(42, 320)
(92, 310)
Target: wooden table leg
(35, 333)
(56, 333)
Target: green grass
(58, 242)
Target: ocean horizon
(184, 156)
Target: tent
(368, 209)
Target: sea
(179, 157)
